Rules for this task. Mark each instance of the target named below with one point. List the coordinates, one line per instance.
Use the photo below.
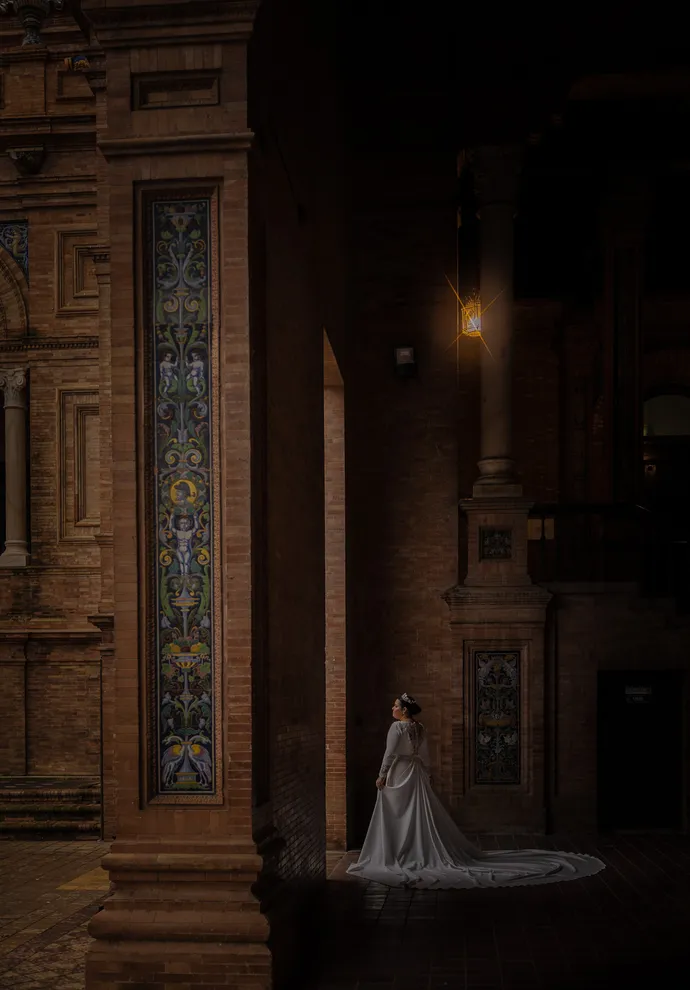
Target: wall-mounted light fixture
(471, 317)
(405, 362)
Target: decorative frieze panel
(77, 289)
(13, 313)
(170, 90)
(14, 238)
(495, 543)
(78, 465)
(179, 343)
(496, 675)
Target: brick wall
(336, 672)
(63, 716)
(412, 448)
(46, 604)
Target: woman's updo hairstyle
(408, 704)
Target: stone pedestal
(13, 387)
(180, 908)
(497, 620)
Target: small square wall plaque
(495, 543)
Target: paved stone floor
(629, 925)
(48, 892)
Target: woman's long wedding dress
(413, 841)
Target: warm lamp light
(471, 317)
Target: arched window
(667, 415)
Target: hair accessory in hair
(407, 699)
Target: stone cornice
(498, 504)
(461, 597)
(47, 344)
(175, 144)
(44, 125)
(24, 53)
(26, 631)
(131, 25)
(44, 196)
(103, 621)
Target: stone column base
(15, 556)
(498, 622)
(180, 913)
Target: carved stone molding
(78, 470)
(13, 290)
(13, 387)
(31, 14)
(48, 344)
(531, 596)
(27, 161)
(77, 289)
(174, 144)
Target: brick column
(13, 387)
(336, 605)
(175, 140)
(497, 618)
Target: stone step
(47, 809)
(31, 828)
(50, 807)
(73, 796)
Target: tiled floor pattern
(628, 926)
(48, 892)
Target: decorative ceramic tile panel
(495, 543)
(182, 514)
(497, 716)
(14, 237)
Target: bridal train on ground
(412, 840)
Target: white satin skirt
(412, 841)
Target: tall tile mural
(14, 238)
(182, 513)
(497, 723)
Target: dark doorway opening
(640, 745)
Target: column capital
(13, 387)
(496, 169)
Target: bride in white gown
(412, 840)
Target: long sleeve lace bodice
(405, 740)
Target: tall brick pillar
(174, 140)
(497, 614)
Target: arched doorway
(666, 419)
